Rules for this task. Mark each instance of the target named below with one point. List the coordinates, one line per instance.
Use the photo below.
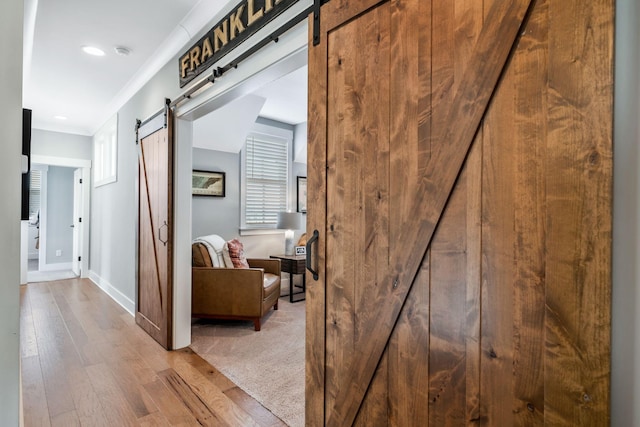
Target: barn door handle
(164, 226)
(309, 250)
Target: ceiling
(226, 129)
(61, 80)
(286, 98)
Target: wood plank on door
(432, 193)
(408, 348)
(578, 225)
(155, 228)
(506, 225)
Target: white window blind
(266, 175)
(34, 191)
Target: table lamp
(289, 221)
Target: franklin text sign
(243, 21)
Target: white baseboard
(114, 293)
(57, 266)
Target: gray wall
(59, 214)
(625, 393)
(57, 144)
(217, 215)
(113, 206)
(11, 16)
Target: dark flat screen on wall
(26, 150)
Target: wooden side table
(293, 265)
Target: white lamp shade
(289, 220)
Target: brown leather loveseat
(223, 292)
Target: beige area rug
(268, 365)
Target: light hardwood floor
(85, 362)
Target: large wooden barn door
(155, 228)
(459, 174)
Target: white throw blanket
(215, 245)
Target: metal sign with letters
(242, 22)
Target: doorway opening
(57, 240)
(211, 131)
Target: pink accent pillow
(236, 253)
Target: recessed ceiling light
(92, 50)
(60, 117)
(122, 51)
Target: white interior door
(77, 220)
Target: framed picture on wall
(302, 194)
(206, 183)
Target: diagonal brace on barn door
(470, 102)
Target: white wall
(11, 13)
(625, 393)
(57, 144)
(113, 206)
(300, 143)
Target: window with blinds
(266, 172)
(35, 184)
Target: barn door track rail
(218, 72)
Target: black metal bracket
(138, 124)
(167, 105)
(317, 4)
